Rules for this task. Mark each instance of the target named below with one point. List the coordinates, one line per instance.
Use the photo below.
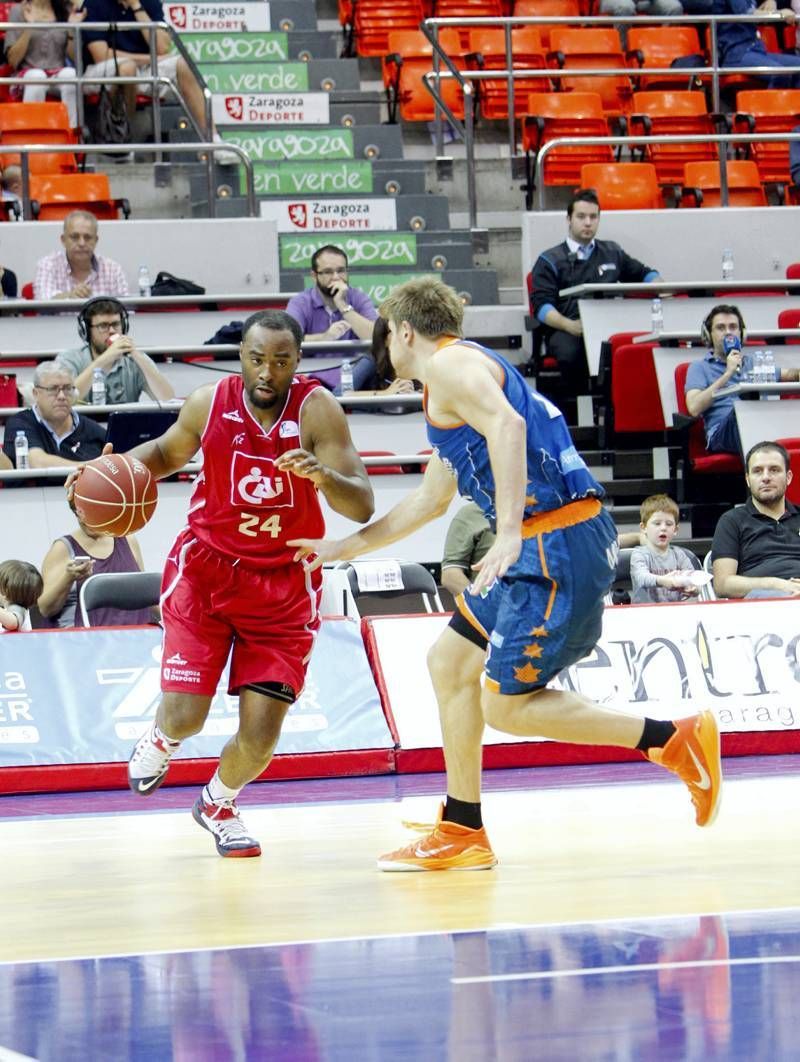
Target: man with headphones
(580, 259)
(723, 331)
(103, 325)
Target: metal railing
(694, 138)
(466, 129)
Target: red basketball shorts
(211, 606)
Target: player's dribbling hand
(503, 553)
(72, 478)
(301, 463)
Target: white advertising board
(330, 215)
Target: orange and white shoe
(447, 847)
(693, 753)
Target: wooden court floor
(143, 882)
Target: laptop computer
(129, 428)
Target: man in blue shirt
(717, 371)
(739, 44)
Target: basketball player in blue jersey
(536, 604)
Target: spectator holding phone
(71, 560)
(127, 371)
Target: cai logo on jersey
(256, 481)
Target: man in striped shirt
(77, 272)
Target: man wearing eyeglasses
(128, 372)
(56, 434)
(330, 309)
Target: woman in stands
(373, 374)
(72, 559)
(43, 53)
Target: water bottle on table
(346, 376)
(727, 264)
(656, 317)
(21, 449)
(98, 388)
(770, 375)
(758, 367)
(145, 284)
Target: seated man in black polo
(756, 546)
(56, 434)
(580, 259)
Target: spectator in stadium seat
(78, 272)
(580, 259)
(756, 546)
(659, 570)
(739, 43)
(131, 42)
(468, 540)
(43, 53)
(706, 378)
(330, 309)
(127, 370)
(57, 435)
(71, 559)
(11, 184)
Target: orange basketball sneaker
(693, 754)
(447, 847)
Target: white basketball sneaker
(149, 762)
(221, 818)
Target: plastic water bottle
(346, 378)
(727, 264)
(770, 376)
(657, 317)
(758, 367)
(98, 388)
(145, 284)
(21, 449)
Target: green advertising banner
(237, 48)
(287, 145)
(311, 178)
(378, 285)
(249, 77)
(370, 249)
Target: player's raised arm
(329, 459)
(427, 501)
(180, 442)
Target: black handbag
(167, 284)
(111, 124)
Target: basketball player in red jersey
(271, 442)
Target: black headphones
(89, 309)
(705, 327)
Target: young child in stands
(659, 570)
(20, 586)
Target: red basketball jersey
(242, 505)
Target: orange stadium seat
(53, 196)
(375, 19)
(543, 8)
(670, 113)
(407, 67)
(468, 9)
(789, 318)
(563, 114)
(487, 51)
(623, 185)
(35, 123)
(701, 184)
(658, 46)
(768, 111)
(793, 271)
(587, 49)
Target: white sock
(217, 791)
(159, 734)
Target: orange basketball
(115, 494)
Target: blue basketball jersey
(557, 474)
